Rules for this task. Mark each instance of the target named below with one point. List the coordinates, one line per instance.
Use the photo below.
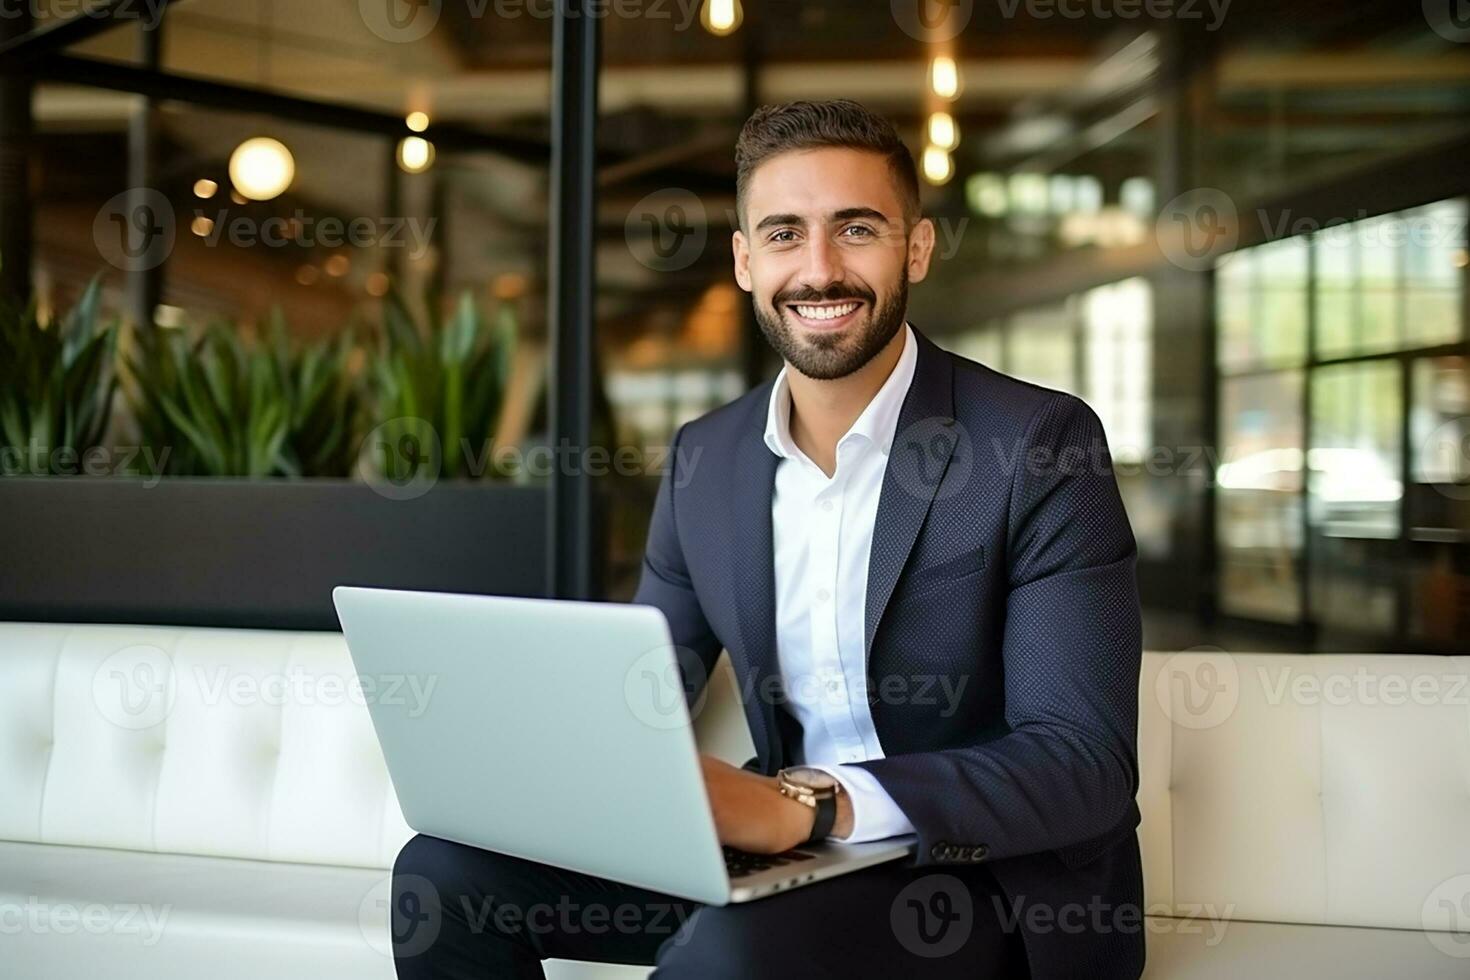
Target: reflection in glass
(1353, 494)
(1439, 500)
(1258, 497)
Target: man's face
(827, 258)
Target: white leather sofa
(177, 803)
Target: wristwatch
(816, 789)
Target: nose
(823, 264)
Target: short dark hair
(774, 129)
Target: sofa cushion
(128, 915)
(1180, 949)
(229, 743)
(123, 914)
(1327, 789)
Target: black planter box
(253, 553)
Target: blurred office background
(1238, 230)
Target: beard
(828, 356)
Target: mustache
(831, 294)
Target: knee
(457, 881)
(734, 942)
(430, 858)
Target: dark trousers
(462, 912)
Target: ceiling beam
(195, 90)
(95, 17)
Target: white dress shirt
(822, 535)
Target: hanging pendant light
(262, 168)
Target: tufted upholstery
(1262, 801)
(1308, 789)
(230, 743)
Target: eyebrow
(845, 214)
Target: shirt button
(827, 506)
(832, 686)
(823, 595)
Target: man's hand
(750, 812)
(752, 815)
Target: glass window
(1434, 273)
(1438, 576)
(1258, 498)
(1261, 306)
(1439, 421)
(1117, 327)
(1354, 492)
(986, 345)
(1041, 346)
(1391, 282)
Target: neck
(823, 411)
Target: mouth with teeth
(826, 315)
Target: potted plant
(261, 488)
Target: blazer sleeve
(1065, 771)
(664, 583)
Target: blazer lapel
(923, 442)
(752, 568)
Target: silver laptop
(557, 732)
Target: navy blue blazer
(1002, 630)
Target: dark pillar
(570, 294)
(145, 286)
(1184, 339)
(754, 351)
(16, 134)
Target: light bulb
(943, 132)
(721, 17)
(415, 154)
(944, 77)
(938, 167)
(262, 168)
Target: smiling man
(924, 577)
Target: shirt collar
(878, 421)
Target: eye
(858, 231)
(782, 236)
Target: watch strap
(826, 817)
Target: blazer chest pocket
(945, 572)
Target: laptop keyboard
(741, 863)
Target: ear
(921, 249)
(741, 250)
